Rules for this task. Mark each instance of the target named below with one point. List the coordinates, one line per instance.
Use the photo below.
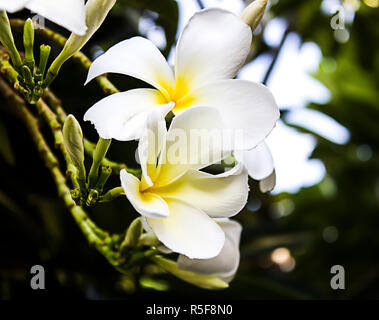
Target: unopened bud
(73, 142)
(29, 44)
(43, 58)
(133, 234)
(6, 39)
(253, 13)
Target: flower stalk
(98, 157)
(96, 12)
(112, 194)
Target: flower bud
(29, 44)
(133, 234)
(6, 39)
(253, 13)
(73, 142)
(43, 58)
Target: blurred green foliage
(333, 222)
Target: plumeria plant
(196, 116)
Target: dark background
(333, 222)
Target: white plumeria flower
(223, 266)
(259, 164)
(211, 49)
(177, 200)
(69, 14)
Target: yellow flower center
(181, 96)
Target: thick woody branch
(94, 235)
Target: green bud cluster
(31, 79)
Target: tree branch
(94, 235)
(275, 56)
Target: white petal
(188, 231)
(147, 204)
(258, 161)
(122, 116)
(213, 46)
(194, 141)
(268, 184)
(70, 14)
(12, 5)
(139, 58)
(225, 265)
(249, 109)
(218, 196)
(150, 146)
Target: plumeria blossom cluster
(185, 207)
(195, 116)
(178, 201)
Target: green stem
(105, 173)
(98, 156)
(55, 104)
(56, 129)
(89, 148)
(112, 194)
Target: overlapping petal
(246, 107)
(147, 204)
(258, 161)
(213, 46)
(188, 231)
(150, 146)
(139, 58)
(224, 265)
(194, 141)
(268, 184)
(123, 115)
(222, 195)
